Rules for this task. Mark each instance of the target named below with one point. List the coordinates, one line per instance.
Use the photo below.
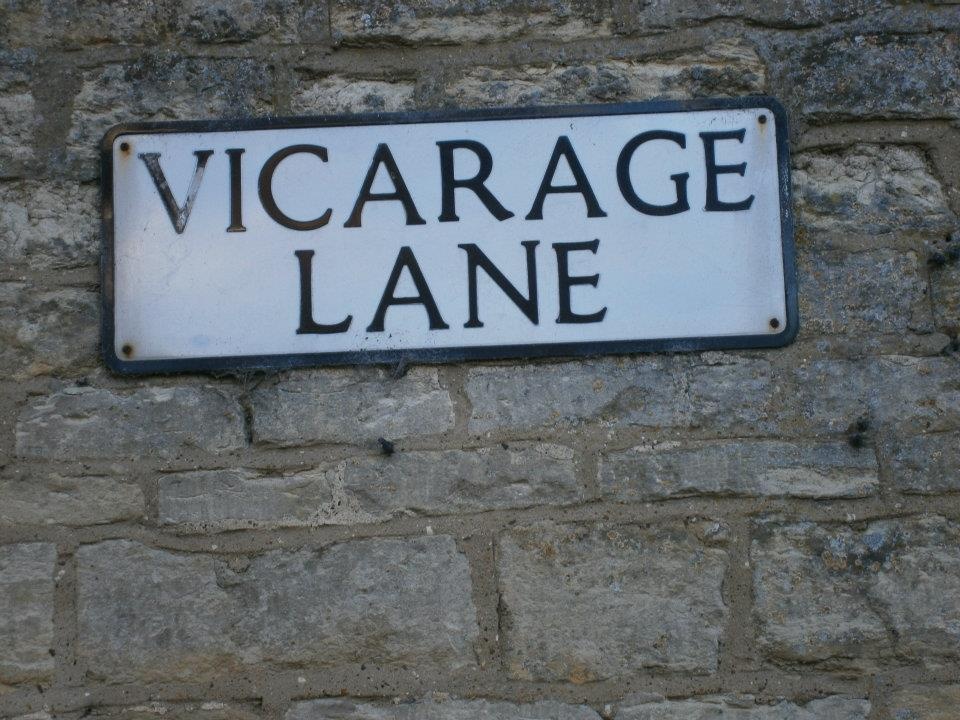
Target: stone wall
(755, 535)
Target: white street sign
(442, 236)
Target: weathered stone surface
(350, 406)
(163, 86)
(645, 391)
(588, 603)
(26, 620)
(443, 482)
(718, 395)
(741, 467)
(388, 600)
(54, 331)
(74, 23)
(878, 76)
(422, 22)
(834, 594)
(645, 16)
(371, 489)
(945, 285)
(212, 710)
(340, 94)
(931, 702)
(744, 708)
(81, 422)
(881, 292)
(927, 463)
(868, 190)
(276, 21)
(228, 499)
(728, 68)
(17, 111)
(434, 710)
(909, 395)
(70, 501)
(49, 225)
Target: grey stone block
(81, 422)
(340, 94)
(420, 22)
(879, 76)
(350, 406)
(740, 467)
(47, 332)
(868, 190)
(927, 464)
(437, 710)
(881, 292)
(726, 68)
(850, 597)
(269, 21)
(391, 601)
(744, 708)
(41, 499)
(26, 620)
(49, 225)
(923, 702)
(17, 110)
(589, 603)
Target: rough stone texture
(881, 292)
(70, 501)
(927, 464)
(162, 86)
(26, 620)
(79, 422)
(350, 406)
(228, 499)
(47, 225)
(760, 467)
(878, 76)
(933, 702)
(464, 21)
(733, 395)
(211, 710)
(388, 600)
(338, 94)
(645, 16)
(845, 596)
(586, 603)
(728, 68)
(17, 111)
(54, 331)
(273, 21)
(945, 286)
(370, 489)
(732, 708)
(433, 710)
(868, 190)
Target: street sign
(447, 236)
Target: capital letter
(476, 259)
(307, 324)
(565, 282)
(266, 188)
(714, 203)
(626, 185)
(178, 214)
(406, 259)
(385, 157)
(449, 184)
(581, 185)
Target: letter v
(178, 215)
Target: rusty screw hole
(127, 350)
(774, 323)
(762, 119)
(124, 147)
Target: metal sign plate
(447, 236)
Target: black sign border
(452, 354)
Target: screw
(127, 350)
(124, 147)
(774, 323)
(762, 119)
